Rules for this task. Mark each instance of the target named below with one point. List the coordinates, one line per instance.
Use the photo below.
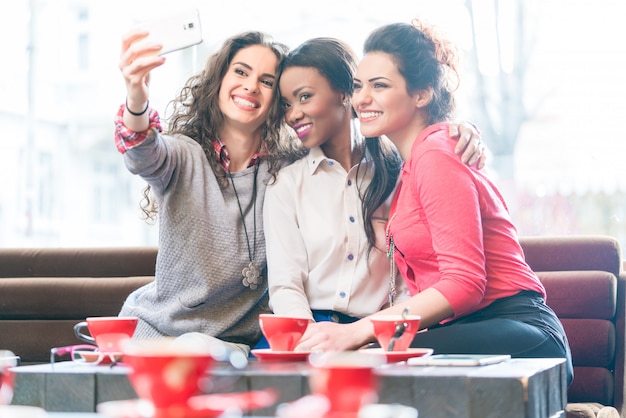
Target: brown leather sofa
(585, 284)
(45, 291)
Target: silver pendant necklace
(251, 273)
(392, 261)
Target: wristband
(135, 113)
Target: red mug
(166, 372)
(346, 379)
(107, 332)
(7, 360)
(386, 326)
(282, 332)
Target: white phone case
(458, 360)
(174, 32)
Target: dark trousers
(521, 325)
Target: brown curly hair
(195, 112)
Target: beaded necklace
(391, 246)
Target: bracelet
(140, 113)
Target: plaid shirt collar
(224, 158)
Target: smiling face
(312, 108)
(381, 99)
(247, 89)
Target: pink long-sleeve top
(452, 230)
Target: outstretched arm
(136, 61)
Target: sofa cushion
(33, 339)
(586, 303)
(77, 262)
(65, 297)
(565, 253)
(581, 294)
(592, 384)
(592, 341)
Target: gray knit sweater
(202, 246)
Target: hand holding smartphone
(176, 31)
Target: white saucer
(94, 356)
(22, 411)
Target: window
(542, 79)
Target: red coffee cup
(282, 332)
(386, 326)
(166, 372)
(107, 332)
(7, 360)
(347, 379)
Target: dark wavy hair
(195, 112)
(334, 60)
(425, 61)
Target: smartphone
(176, 31)
(458, 360)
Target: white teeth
(244, 102)
(302, 128)
(367, 115)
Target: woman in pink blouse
(449, 228)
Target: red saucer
(244, 401)
(201, 406)
(396, 356)
(267, 354)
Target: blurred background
(543, 80)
